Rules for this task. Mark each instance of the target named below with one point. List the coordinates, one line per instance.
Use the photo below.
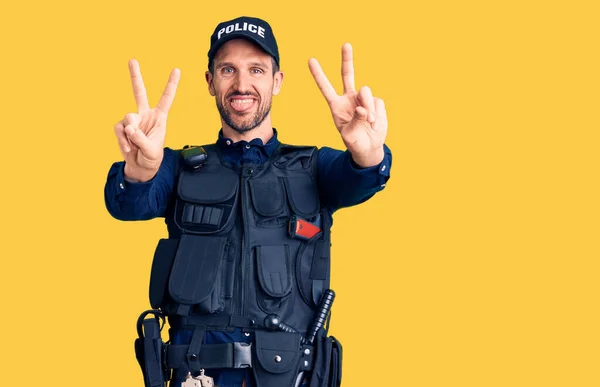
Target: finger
(132, 119)
(347, 68)
(324, 85)
(360, 113)
(380, 114)
(379, 107)
(138, 138)
(139, 90)
(365, 99)
(169, 94)
(129, 130)
(121, 137)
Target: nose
(243, 83)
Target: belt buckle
(242, 355)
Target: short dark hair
(211, 66)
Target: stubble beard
(244, 125)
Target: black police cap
(250, 28)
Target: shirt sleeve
(343, 183)
(141, 201)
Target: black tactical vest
(231, 261)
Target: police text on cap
(260, 31)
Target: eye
(227, 70)
(256, 71)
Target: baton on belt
(318, 322)
(321, 316)
(274, 323)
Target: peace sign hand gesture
(141, 135)
(359, 117)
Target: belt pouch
(336, 363)
(276, 358)
(327, 371)
(148, 351)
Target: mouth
(241, 104)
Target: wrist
(369, 159)
(138, 175)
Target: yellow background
(476, 266)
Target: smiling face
(243, 82)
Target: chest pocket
(207, 200)
(269, 201)
(303, 195)
(276, 198)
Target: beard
(243, 124)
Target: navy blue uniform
(341, 184)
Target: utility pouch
(276, 359)
(336, 363)
(274, 268)
(196, 280)
(269, 202)
(161, 269)
(312, 270)
(327, 371)
(207, 200)
(149, 349)
(303, 195)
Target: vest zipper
(244, 273)
(242, 276)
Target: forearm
(344, 183)
(127, 200)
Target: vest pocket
(303, 268)
(274, 271)
(207, 201)
(327, 370)
(196, 278)
(303, 195)
(268, 199)
(277, 358)
(161, 268)
(312, 271)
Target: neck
(264, 131)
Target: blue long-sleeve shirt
(341, 184)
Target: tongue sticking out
(240, 104)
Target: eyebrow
(258, 64)
(231, 64)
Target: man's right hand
(141, 135)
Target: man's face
(242, 84)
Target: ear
(209, 81)
(277, 81)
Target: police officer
(248, 217)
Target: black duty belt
(213, 322)
(227, 355)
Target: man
(248, 217)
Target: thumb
(360, 114)
(138, 139)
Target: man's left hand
(359, 117)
